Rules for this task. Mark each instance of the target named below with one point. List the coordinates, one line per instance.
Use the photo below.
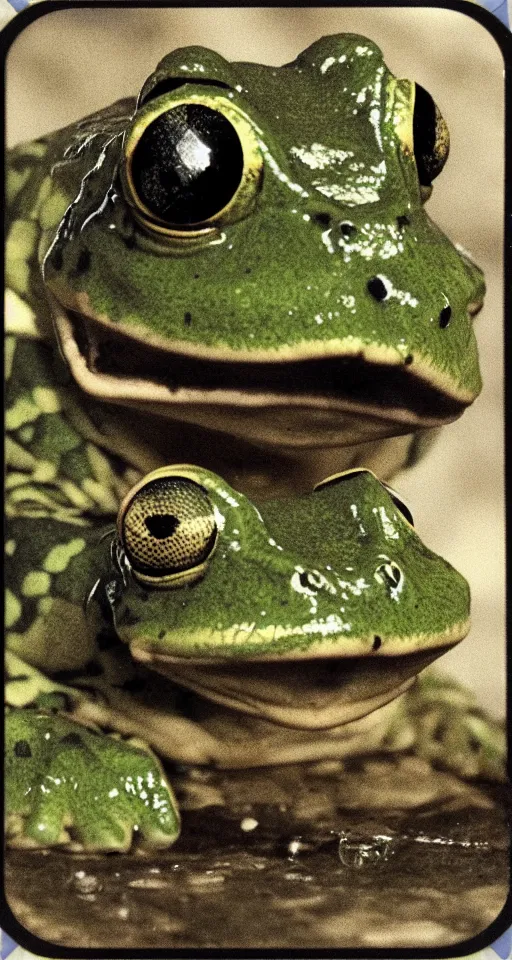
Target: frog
(257, 340)
(229, 634)
(237, 269)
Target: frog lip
(329, 693)
(285, 646)
(341, 375)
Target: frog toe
(73, 788)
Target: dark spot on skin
(408, 359)
(377, 288)
(473, 744)
(129, 242)
(187, 319)
(440, 732)
(56, 259)
(22, 749)
(248, 270)
(403, 220)
(161, 526)
(377, 643)
(161, 635)
(73, 740)
(445, 317)
(134, 685)
(83, 261)
(348, 229)
(196, 276)
(323, 219)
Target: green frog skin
(218, 632)
(281, 308)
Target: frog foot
(451, 730)
(71, 787)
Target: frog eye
(399, 503)
(168, 530)
(339, 477)
(430, 135)
(191, 165)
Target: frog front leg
(67, 784)
(80, 789)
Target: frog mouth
(306, 695)
(331, 386)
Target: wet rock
(385, 852)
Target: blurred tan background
(72, 62)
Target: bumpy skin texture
(214, 330)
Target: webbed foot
(70, 787)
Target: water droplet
(85, 883)
(302, 877)
(358, 853)
(248, 824)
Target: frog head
(247, 248)
(311, 611)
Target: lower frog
(218, 632)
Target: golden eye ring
(191, 164)
(167, 528)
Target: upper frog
(246, 248)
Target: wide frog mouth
(311, 395)
(314, 694)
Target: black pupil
(188, 164)
(161, 526)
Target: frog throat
(316, 694)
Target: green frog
(224, 633)
(238, 270)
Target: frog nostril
(347, 228)
(323, 219)
(377, 288)
(307, 580)
(445, 317)
(390, 574)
